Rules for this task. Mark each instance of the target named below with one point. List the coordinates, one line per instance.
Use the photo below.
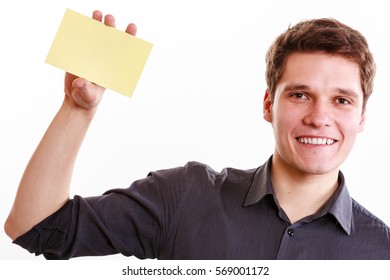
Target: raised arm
(44, 187)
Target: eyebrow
(348, 92)
(295, 86)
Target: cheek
(284, 123)
(351, 128)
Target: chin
(318, 171)
(314, 168)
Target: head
(321, 35)
(319, 77)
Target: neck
(301, 194)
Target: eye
(299, 96)
(343, 101)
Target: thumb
(79, 83)
(85, 93)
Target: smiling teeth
(316, 141)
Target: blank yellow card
(102, 54)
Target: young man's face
(317, 112)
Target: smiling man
(295, 206)
(316, 113)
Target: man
(295, 206)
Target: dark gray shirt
(194, 212)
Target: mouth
(316, 140)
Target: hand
(81, 93)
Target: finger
(131, 29)
(97, 15)
(109, 20)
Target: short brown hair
(323, 35)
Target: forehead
(321, 70)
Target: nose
(318, 114)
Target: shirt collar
(261, 184)
(340, 208)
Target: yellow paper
(99, 53)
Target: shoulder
(365, 219)
(197, 175)
(198, 169)
(193, 179)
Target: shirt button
(291, 231)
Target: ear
(362, 122)
(267, 106)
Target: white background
(199, 97)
